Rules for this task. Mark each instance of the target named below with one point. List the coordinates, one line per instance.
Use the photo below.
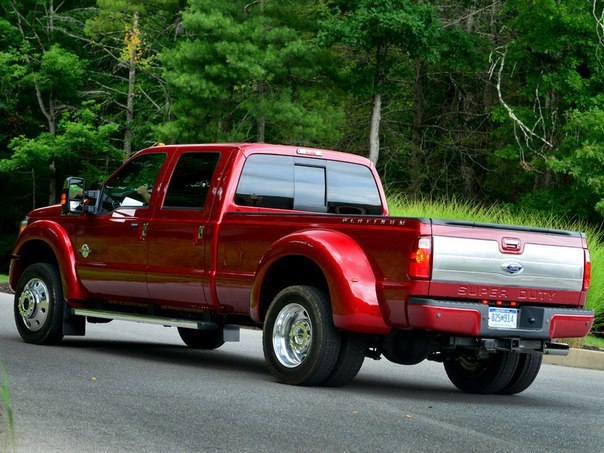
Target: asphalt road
(132, 387)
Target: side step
(231, 331)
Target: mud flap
(72, 324)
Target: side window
(267, 181)
(133, 185)
(351, 189)
(191, 180)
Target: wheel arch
(331, 261)
(46, 242)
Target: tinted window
(309, 188)
(133, 185)
(351, 189)
(267, 181)
(286, 183)
(191, 180)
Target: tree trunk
(261, 128)
(376, 115)
(33, 188)
(131, 85)
(374, 132)
(415, 174)
(261, 121)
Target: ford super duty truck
(298, 242)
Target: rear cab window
(306, 184)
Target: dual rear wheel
(505, 373)
(301, 344)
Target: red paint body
(158, 256)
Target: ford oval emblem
(512, 268)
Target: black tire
(471, 374)
(39, 304)
(526, 372)
(352, 355)
(202, 339)
(301, 344)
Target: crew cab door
(112, 246)
(177, 235)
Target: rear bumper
(471, 319)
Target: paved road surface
(132, 387)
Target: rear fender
(346, 268)
(56, 238)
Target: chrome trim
(292, 335)
(34, 304)
(480, 262)
(172, 322)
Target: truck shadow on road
(235, 365)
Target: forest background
(493, 102)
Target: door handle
(134, 225)
(198, 237)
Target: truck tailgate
(483, 261)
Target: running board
(231, 332)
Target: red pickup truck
(298, 242)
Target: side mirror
(72, 197)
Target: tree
(80, 143)
(249, 71)
(129, 35)
(547, 72)
(380, 34)
(54, 73)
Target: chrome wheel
(33, 304)
(292, 335)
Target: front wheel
(39, 304)
(473, 374)
(301, 344)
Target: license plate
(503, 317)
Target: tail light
(420, 260)
(587, 271)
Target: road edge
(578, 358)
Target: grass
(3, 278)
(476, 212)
(9, 440)
(596, 342)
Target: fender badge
(512, 268)
(85, 251)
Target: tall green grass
(9, 440)
(476, 212)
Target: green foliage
(61, 72)
(369, 24)
(10, 443)
(584, 154)
(81, 146)
(248, 71)
(306, 73)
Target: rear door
(178, 231)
